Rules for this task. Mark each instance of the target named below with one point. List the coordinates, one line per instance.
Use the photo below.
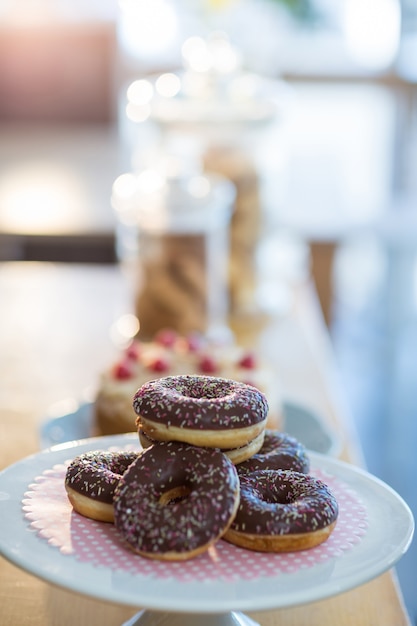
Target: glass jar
(174, 234)
(227, 120)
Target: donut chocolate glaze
(200, 402)
(282, 510)
(176, 500)
(96, 474)
(201, 410)
(91, 479)
(279, 451)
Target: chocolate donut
(282, 511)
(91, 479)
(279, 451)
(201, 410)
(176, 500)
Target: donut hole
(270, 498)
(274, 494)
(174, 495)
(212, 389)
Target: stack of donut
(209, 469)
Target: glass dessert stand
(41, 534)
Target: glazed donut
(236, 455)
(176, 500)
(201, 410)
(91, 479)
(282, 511)
(279, 451)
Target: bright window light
(40, 197)
(372, 31)
(147, 27)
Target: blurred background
(338, 160)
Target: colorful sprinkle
(279, 451)
(96, 474)
(283, 502)
(201, 402)
(205, 493)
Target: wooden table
(56, 329)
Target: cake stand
(59, 546)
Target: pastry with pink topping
(171, 354)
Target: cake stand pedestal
(154, 618)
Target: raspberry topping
(159, 365)
(248, 361)
(208, 365)
(123, 370)
(133, 351)
(166, 337)
(194, 342)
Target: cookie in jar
(182, 249)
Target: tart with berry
(171, 354)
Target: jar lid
(211, 90)
(245, 100)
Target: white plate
(299, 421)
(389, 530)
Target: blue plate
(299, 421)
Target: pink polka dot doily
(50, 514)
